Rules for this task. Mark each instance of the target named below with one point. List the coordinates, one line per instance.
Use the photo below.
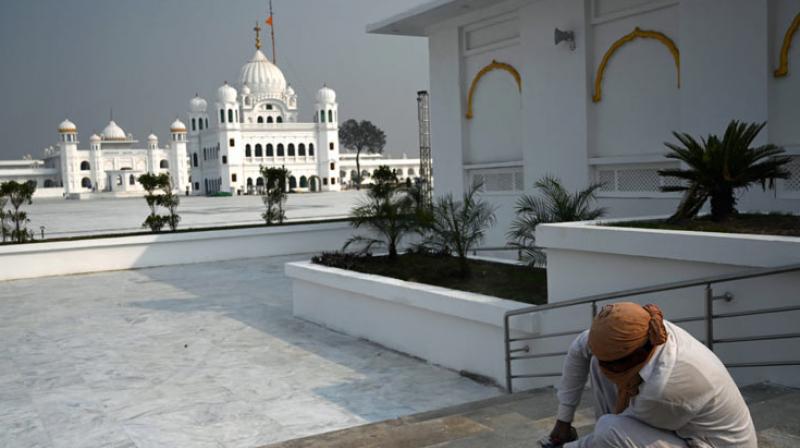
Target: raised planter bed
(598, 257)
(455, 329)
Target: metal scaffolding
(425, 159)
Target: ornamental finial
(257, 29)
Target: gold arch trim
(783, 68)
(484, 71)
(637, 33)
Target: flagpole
(272, 29)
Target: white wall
(608, 259)
(109, 254)
(728, 51)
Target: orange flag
(269, 20)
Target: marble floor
(63, 218)
(204, 355)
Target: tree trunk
(723, 204)
(392, 250)
(358, 169)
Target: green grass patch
(507, 281)
(752, 223)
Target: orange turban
(619, 330)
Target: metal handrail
(708, 316)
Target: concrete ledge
(455, 329)
(140, 251)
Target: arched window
(260, 182)
(269, 106)
(247, 151)
(322, 116)
(270, 150)
(324, 181)
(259, 151)
(224, 160)
(48, 183)
(194, 159)
(303, 182)
(86, 182)
(279, 119)
(233, 177)
(331, 146)
(333, 181)
(222, 115)
(132, 180)
(292, 182)
(260, 119)
(194, 124)
(400, 172)
(201, 123)
(330, 116)
(164, 164)
(411, 172)
(249, 181)
(197, 186)
(270, 120)
(290, 150)
(85, 166)
(364, 174)
(301, 149)
(119, 181)
(353, 174)
(230, 115)
(311, 149)
(333, 166)
(280, 149)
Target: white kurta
(686, 395)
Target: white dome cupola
(326, 95)
(226, 94)
(198, 105)
(245, 90)
(112, 131)
(67, 126)
(176, 126)
(94, 138)
(262, 77)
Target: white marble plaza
(204, 355)
(73, 218)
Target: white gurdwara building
(257, 125)
(113, 161)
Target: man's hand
(562, 433)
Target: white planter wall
(586, 259)
(109, 254)
(458, 330)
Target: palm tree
(389, 211)
(457, 226)
(717, 168)
(555, 204)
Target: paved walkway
(204, 355)
(521, 420)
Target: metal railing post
(709, 317)
(508, 353)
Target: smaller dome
(226, 94)
(198, 105)
(112, 131)
(94, 138)
(289, 90)
(177, 126)
(326, 95)
(67, 126)
(245, 90)
(152, 138)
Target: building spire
(257, 29)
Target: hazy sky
(147, 58)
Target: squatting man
(654, 386)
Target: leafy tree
(716, 168)
(361, 136)
(274, 196)
(457, 226)
(389, 211)
(17, 195)
(4, 231)
(159, 193)
(555, 204)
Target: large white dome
(263, 77)
(112, 131)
